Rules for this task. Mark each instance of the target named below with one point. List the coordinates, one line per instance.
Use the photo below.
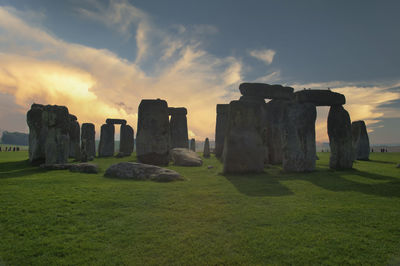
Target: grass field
(324, 217)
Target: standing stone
(275, 110)
(153, 134)
(37, 134)
(360, 140)
(178, 127)
(221, 128)
(206, 152)
(74, 138)
(340, 138)
(298, 139)
(88, 135)
(126, 143)
(243, 148)
(193, 145)
(106, 144)
(57, 120)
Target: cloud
(37, 66)
(265, 55)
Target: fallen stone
(220, 128)
(89, 168)
(266, 91)
(122, 154)
(139, 171)
(153, 133)
(320, 97)
(340, 138)
(398, 166)
(115, 121)
(185, 157)
(210, 167)
(56, 166)
(360, 140)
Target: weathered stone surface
(193, 145)
(266, 91)
(126, 143)
(398, 166)
(115, 121)
(298, 138)
(206, 152)
(185, 157)
(106, 144)
(89, 168)
(56, 166)
(221, 128)
(360, 140)
(320, 97)
(275, 111)
(56, 119)
(37, 134)
(178, 127)
(256, 99)
(340, 138)
(139, 171)
(243, 148)
(88, 135)
(153, 134)
(74, 138)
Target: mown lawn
(324, 217)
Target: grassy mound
(342, 217)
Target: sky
(101, 57)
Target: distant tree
(15, 138)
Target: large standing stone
(360, 140)
(266, 91)
(153, 134)
(193, 145)
(340, 138)
(275, 111)
(106, 144)
(126, 143)
(56, 119)
(298, 138)
(74, 138)
(178, 127)
(37, 134)
(221, 128)
(88, 135)
(243, 148)
(320, 97)
(206, 152)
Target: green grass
(324, 217)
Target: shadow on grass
(18, 169)
(265, 184)
(258, 185)
(385, 162)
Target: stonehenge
(88, 143)
(126, 144)
(74, 138)
(107, 142)
(193, 145)
(153, 132)
(206, 151)
(298, 137)
(37, 134)
(340, 138)
(360, 140)
(320, 97)
(178, 127)
(220, 128)
(266, 91)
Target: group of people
(9, 149)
